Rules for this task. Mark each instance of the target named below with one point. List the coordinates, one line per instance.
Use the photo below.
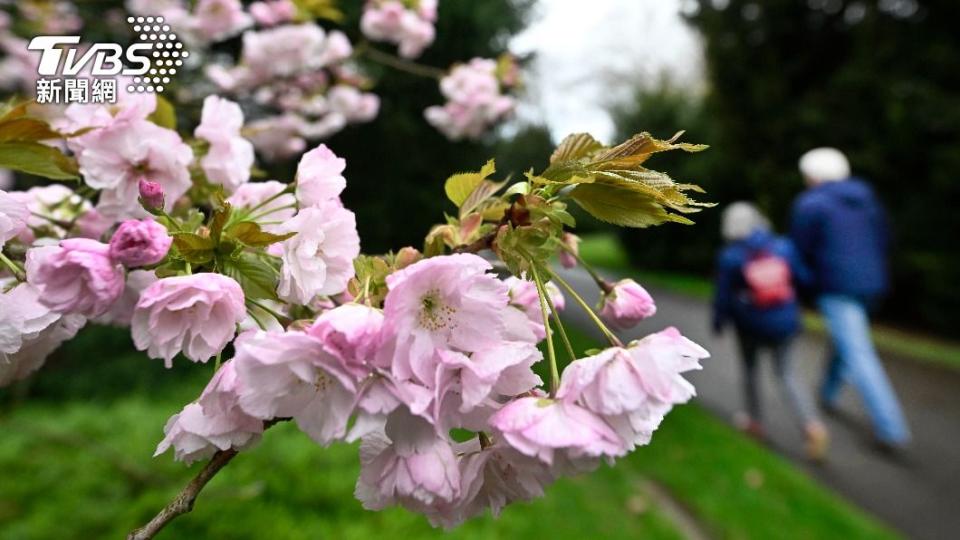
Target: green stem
(558, 322)
(14, 268)
(281, 318)
(611, 337)
(216, 363)
(602, 283)
(270, 211)
(551, 354)
(398, 63)
(268, 200)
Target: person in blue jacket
(757, 274)
(840, 229)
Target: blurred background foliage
(877, 79)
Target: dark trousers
(798, 395)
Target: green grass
(604, 250)
(76, 464)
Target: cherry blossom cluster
(476, 98)
(409, 24)
(430, 358)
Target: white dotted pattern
(167, 51)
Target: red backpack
(769, 279)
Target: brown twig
(183, 502)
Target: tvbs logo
(146, 65)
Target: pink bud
(151, 194)
(568, 253)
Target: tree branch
(183, 502)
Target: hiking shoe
(817, 441)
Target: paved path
(921, 498)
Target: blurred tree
(878, 79)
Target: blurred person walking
(755, 290)
(840, 229)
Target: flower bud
(151, 195)
(625, 304)
(570, 250)
(139, 243)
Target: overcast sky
(590, 53)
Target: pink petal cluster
(273, 12)
(411, 28)
(78, 276)
(318, 259)
(29, 331)
(121, 312)
(524, 296)
(139, 243)
(320, 176)
(474, 101)
(49, 207)
(230, 156)
(194, 314)
(626, 304)
(13, 217)
(633, 388)
(115, 158)
(217, 20)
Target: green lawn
(76, 463)
(604, 250)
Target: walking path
(921, 498)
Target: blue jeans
(855, 361)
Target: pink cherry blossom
(391, 21)
(216, 20)
(634, 387)
(195, 314)
(441, 303)
(490, 479)
(290, 375)
(230, 156)
(540, 427)
(474, 100)
(47, 205)
(352, 104)
(140, 243)
(195, 434)
(273, 12)
(320, 176)
(121, 311)
(409, 464)
(319, 258)
(524, 296)
(29, 332)
(92, 224)
(351, 334)
(277, 137)
(13, 217)
(282, 51)
(116, 157)
(626, 305)
(77, 276)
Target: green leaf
(194, 248)
(520, 188)
(480, 194)
(370, 279)
(638, 149)
(459, 186)
(164, 115)
(250, 234)
(257, 274)
(574, 147)
(38, 159)
(26, 129)
(623, 206)
(220, 217)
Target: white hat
(824, 165)
(740, 220)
